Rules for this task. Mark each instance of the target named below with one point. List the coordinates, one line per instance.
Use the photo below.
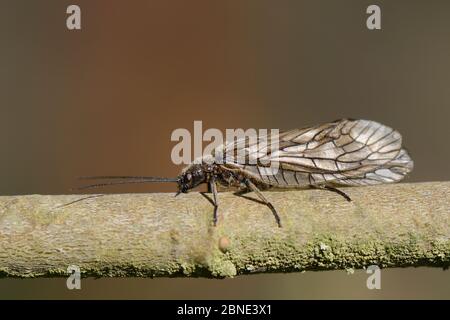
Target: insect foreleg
(325, 187)
(213, 188)
(254, 188)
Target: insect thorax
(203, 169)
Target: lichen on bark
(152, 235)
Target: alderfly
(340, 153)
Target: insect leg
(325, 187)
(213, 187)
(242, 192)
(246, 190)
(255, 189)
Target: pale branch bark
(159, 235)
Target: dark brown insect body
(212, 174)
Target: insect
(340, 153)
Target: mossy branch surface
(151, 235)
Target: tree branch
(158, 235)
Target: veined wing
(343, 152)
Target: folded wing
(343, 152)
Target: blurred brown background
(104, 100)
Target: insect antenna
(147, 178)
(78, 200)
(125, 180)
